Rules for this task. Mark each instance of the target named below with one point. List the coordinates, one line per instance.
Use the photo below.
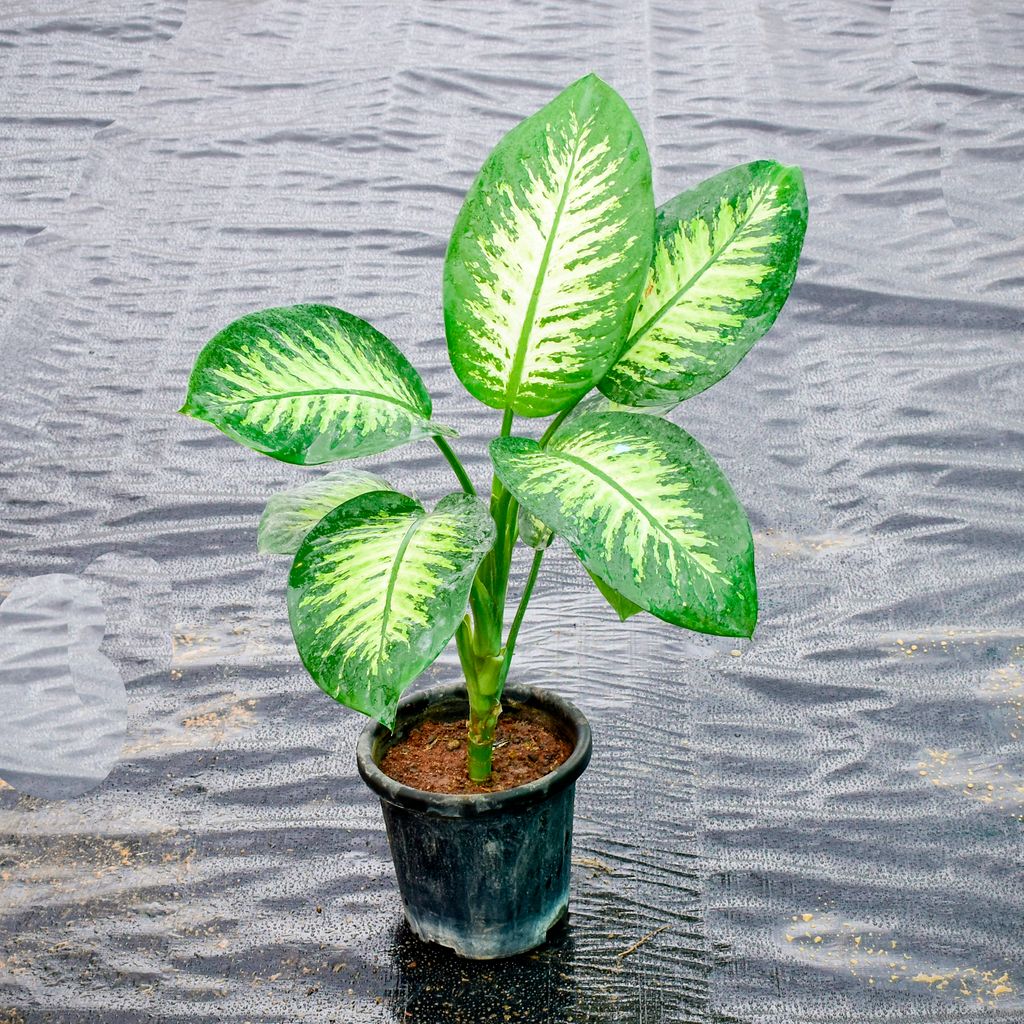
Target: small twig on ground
(636, 945)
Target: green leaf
(290, 515)
(624, 608)
(647, 511)
(309, 384)
(532, 532)
(599, 403)
(724, 261)
(377, 590)
(549, 253)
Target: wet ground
(822, 825)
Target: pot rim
(462, 805)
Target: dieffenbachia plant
(560, 277)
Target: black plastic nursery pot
(485, 874)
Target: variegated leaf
(647, 510)
(600, 403)
(290, 515)
(549, 253)
(532, 532)
(309, 384)
(377, 590)
(725, 257)
(622, 606)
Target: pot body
(485, 874)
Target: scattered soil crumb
(432, 756)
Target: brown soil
(432, 756)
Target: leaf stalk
(453, 461)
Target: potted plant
(560, 277)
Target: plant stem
(490, 667)
(556, 423)
(486, 673)
(484, 660)
(497, 490)
(484, 709)
(487, 598)
(487, 630)
(453, 461)
(482, 672)
(496, 566)
(464, 644)
(513, 631)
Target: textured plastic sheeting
(65, 711)
(822, 827)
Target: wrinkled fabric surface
(821, 825)
(65, 708)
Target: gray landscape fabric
(820, 825)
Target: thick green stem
(485, 661)
(453, 461)
(486, 670)
(484, 709)
(481, 663)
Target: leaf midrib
(312, 392)
(678, 295)
(614, 485)
(516, 373)
(393, 580)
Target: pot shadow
(434, 986)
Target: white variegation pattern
(702, 272)
(724, 262)
(377, 590)
(532, 532)
(548, 254)
(636, 495)
(309, 384)
(290, 515)
(647, 511)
